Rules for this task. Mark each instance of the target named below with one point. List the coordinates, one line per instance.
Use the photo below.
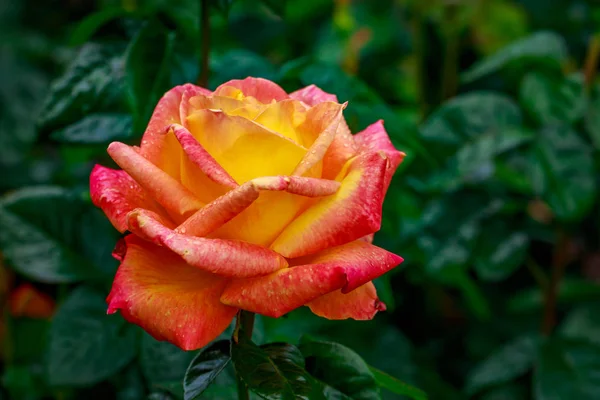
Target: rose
(246, 198)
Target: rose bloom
(246, 198)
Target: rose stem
(205, 43)
(244, 326)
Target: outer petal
(232, 258)
(362, 262)
(172, 301)
(375, 138)
(261, 89)
(313, 95)
(158, 148)
(169, 193)
(279, 293)
(361, 304)
(27, 301)
(354, 211)
(245, 149)
(345, 267)
(116, 193)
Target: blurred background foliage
(495, 102)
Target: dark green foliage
(85, 345)
(205, 368)
(273, 371)
(494, 206)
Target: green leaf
(549, 99)
(582, 324)
(396, 386)
(567, 370)
(277, 6)
(547, 47)
(91, 23)
(273, 371)
(512, 391)
(147, 64)
(87, 346)
(341, 368)
(52, 235)
(205, 368)
(565, 178)
(160, 395)
(499, 251)
(130, 383)
(506, 364)
(222, 5)
(333, 79)
(468, 117)
(570, 291)
(592, 117)
(239, 64)
(162, 362)
(22, 382)
(32, 340)
(452, 225)
(474, 162)
(96, 129)
(93, 82)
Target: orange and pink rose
(246, 198)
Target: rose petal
(200, 173)
(341, 149)
(361, 304)
(375, 138)
(27, 301)
(187, 105)
(169, 193)
(116, 193)
(162, 150)
(244, 148)
(226, 207)
(283, 291)
(318, 130)
(313, 95)
(232, 258)
(362, 262)
(345, 267)
(369, 238)
(354, 211)
(261, 89)
(247, 107)
(171, 300)
(284, 117)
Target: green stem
(559, 262)
(591, 61)
(451, 52)
(474, 297)
(537, 273)
(419, 49)
(243, 326)
(205, 43)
